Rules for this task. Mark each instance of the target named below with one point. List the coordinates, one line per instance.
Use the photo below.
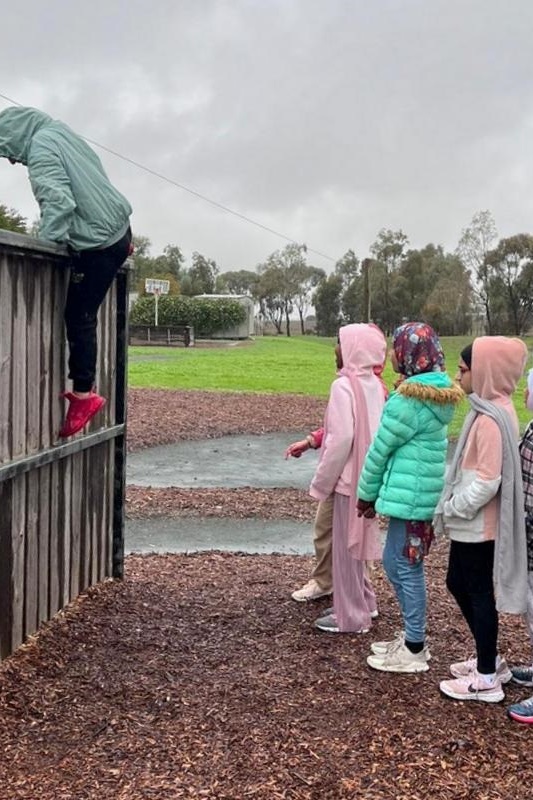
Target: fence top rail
(21, 242)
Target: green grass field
(299, 365)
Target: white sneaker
(311, 591)
(382, 648)
(399, 659)
(462, 669)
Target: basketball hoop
(156, 287)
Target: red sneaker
(80, 411)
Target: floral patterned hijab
(417, 349)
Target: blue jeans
(408, 581)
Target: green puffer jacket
(79, 206)
(404, 467)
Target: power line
(203, 197)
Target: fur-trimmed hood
(436, 390)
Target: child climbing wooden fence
(61, 504)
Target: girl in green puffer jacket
(402, 478)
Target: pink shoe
(461, 669)
(473, 687)
(80, 411)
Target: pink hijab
(364, 350)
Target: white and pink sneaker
(473, 687)
(463, 668)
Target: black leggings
(92, 273)
(470, 581)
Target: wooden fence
(61, 502)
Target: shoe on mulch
(473, 687)
(461, 669)
(80, 411)
(328, 611)
(311, 591)
(523, 676)
(399, 658)
(522, 712)
(329, 624)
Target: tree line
(485, 285)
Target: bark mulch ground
(241, 503)
(161, 416)
(158, 416)
(197, 677)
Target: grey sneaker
(329, 625)
(331, 610)
(523, 676)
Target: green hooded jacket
(405, 464)
(78, 204)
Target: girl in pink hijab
(352, 416)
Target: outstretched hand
(365, 508)
(296, 449)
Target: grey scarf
(510, 553)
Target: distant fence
(162, 335)
(61, 502)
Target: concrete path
(228, 462)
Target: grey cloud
(324, 120)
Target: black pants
(92, 273)
(470, 581)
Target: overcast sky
(324, 119)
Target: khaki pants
(322, 542)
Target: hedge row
(206, 316)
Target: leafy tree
(271, 294)
(347, 269)
(306, 278)
(388, 251)
(169, 263)
(476, 241)
(511, 263)
(327, 302)
(284, 281)
(202, 275)
(448, 306)
(11, 220)
(242, 281)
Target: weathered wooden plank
(7, 283)
(19, 363)
(44, 578)
(86, 533)
(31, 553)
(6, 568)
(18, 541)
(46, 346)
(112, 344)
(65, 530)
(76, 521)
(56, 500)
(103, 532)
(34, 288)
(57, 355)
(33, 291)
(110, 496)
